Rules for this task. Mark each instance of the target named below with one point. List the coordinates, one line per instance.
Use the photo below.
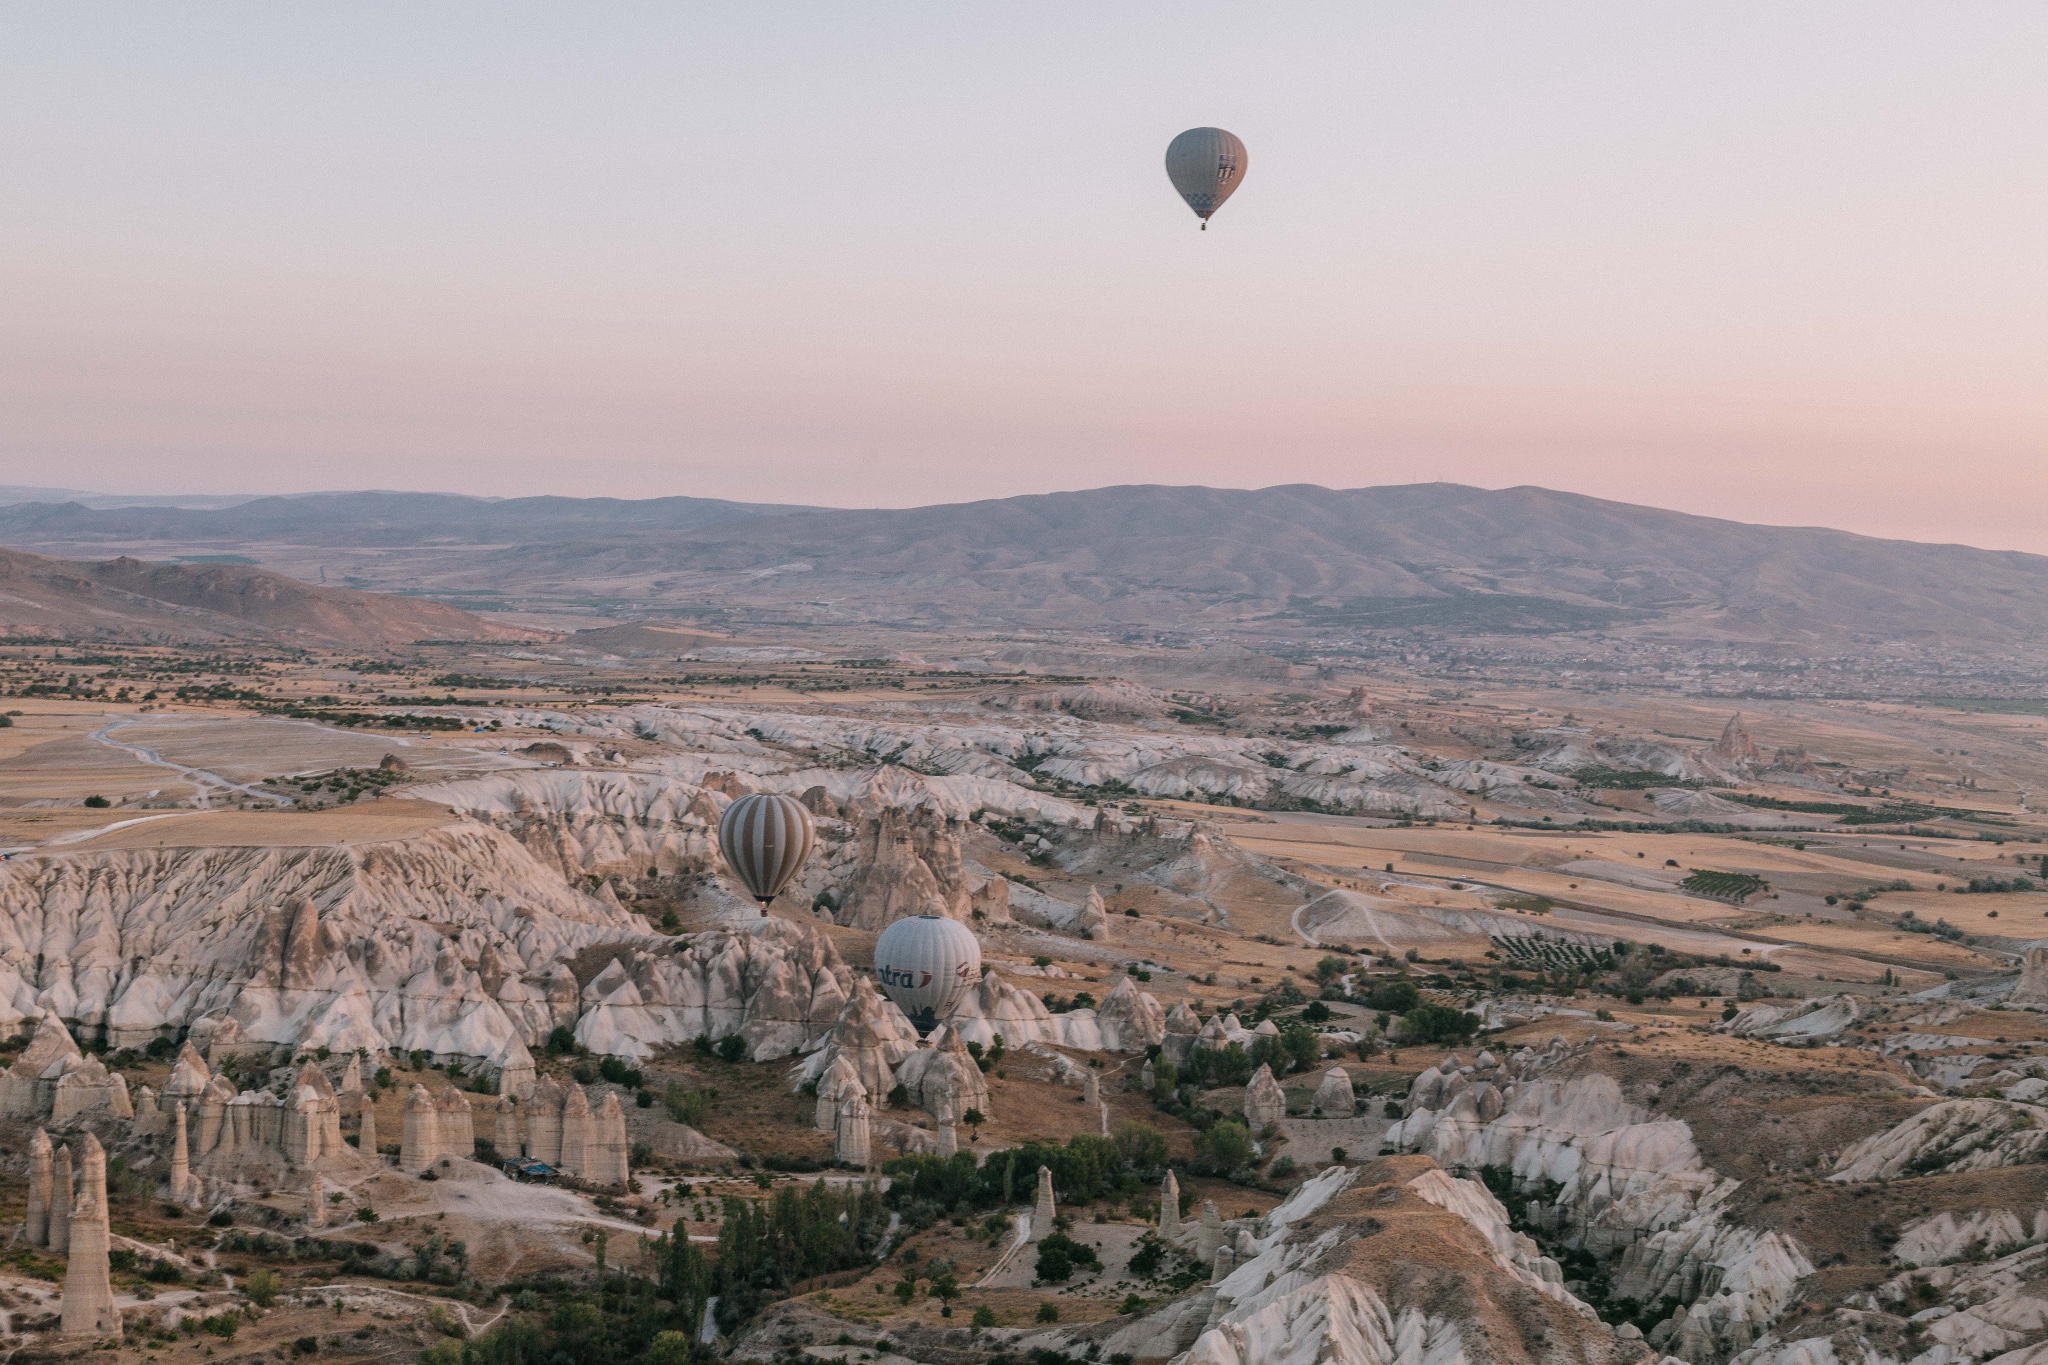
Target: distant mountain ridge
(1294, 559)
(129, 600)
(374, 518)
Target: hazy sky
(1774, 262)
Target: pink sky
(1774, 263)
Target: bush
(1224, 1149)
(984, 1316)
(685, 1105)
(1059, 1255)
(1149, 1256)
(98, 802)
(1393, 997)
(561, 1041)
(732, 1048)
(221, 1219)
(1282, 1168)
(1143, 1147)
(1439, 1024)
(222, 1325)
(1048, 1311)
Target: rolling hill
(126, 599)
(1295, 559)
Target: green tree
(1394, 997)
(1142, 1147)
(668, 1348)
(1224, 1148)
(261, 1288)
(1438, 1024)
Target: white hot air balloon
(1206, 165)
(925, 964)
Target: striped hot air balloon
(1206, 165)
(765, 839)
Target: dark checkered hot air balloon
(1206, 165)
(765, 839)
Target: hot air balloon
(765, 839)
(1206, 165)
(925, 964)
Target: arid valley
(375, 987)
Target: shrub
(1149, 1256)
(1439, 1024)
(732, 1048)
(1048, 1311)
(98, 802)
(685, 1105)
(1143, 1147)
(1226, 1147)
(1060, 1255)
(1394, 997)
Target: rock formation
(88, 1285)
(376, 946)
(2033, 985)
(505, 1129)
(576, 1132)
(872, 1034)
(311, 1126)
(316, 1201)
(944, 1075)
(544, 1122)
(607, 1157)
(28, 1088)
(1330, 1276)
(1181, 1029)
(1128, 1020)
(1043, 1211)
(852, 1142)
(837, 1079)
(1208, 1232)
(947, 1138)
(53, 1081)
(779, 986)
(182, 1189)
(1734, 752)
(1265, 1103)
(61, 1197)
(1334, 1098)
(41, 1178)
(366, 1130)
(1169, 1209)
(1628, 1181)
(437, 1127)
(905, 863)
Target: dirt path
(200, 779)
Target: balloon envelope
(1206, 165)
(926, 964)
(765, 839)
